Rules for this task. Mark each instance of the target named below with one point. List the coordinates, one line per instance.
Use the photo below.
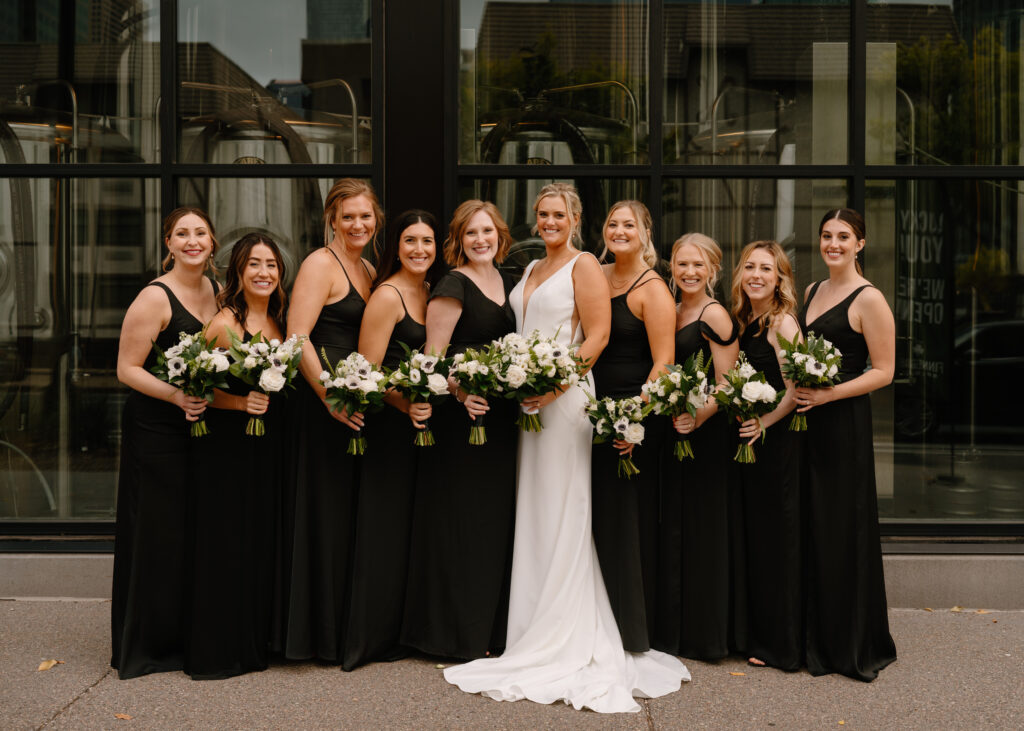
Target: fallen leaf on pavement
(47, 664)
(957, 609)
(122, 717)
(982, 611)
(737, 673)
(439, 667)
(842, 723)
(927, 609)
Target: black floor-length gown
(625, 510)
(693, 605)
(461, 552)
(767, 574)
(318, 511)
(234, 510)
(152, 573)
(380, 554)
(847, 618)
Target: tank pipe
(598, 84)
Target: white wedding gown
(562, 643)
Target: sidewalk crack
(71, 702)
(646, 703)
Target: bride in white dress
(562, 642)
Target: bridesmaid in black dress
(847, 620)
(625, 511)
(694, 539)
(395, 314)
(234, 507)
(767, 573)
(457, 598)
(318, 521)
(151, 569)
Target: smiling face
(622, 232)
(839, 244)
(690, 270)
(480, 239)
(416, 248)
(260, 273)
(759, 278)
(190, 241)
(355, 222)
(554, 224)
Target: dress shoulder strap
(636, 282)
(710, 333)
(814, 291)
(338, 259)
(385, 284)
(171, 297)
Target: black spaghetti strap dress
(693, 603)
(234, 511)
(152, 572)
(847, 618)
(318, 524)
(461, 559)
(767, 574)
(625, 511)
(380, 558)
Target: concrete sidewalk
(955, 670)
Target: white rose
(635, 433)
(832, 370)
(673, 397)
(261, 348)
(696, 399)
(767, 393)
(324, 376)
(376, 376)
(484, 370)
(272, 380)
(220, 362)
(516, 376)
(250, 362)
(751, 391)
(437, 384)
(458, 358)
(674, 377)
(367, 386)
(338, 382)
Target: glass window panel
(73, 256)
(274, 82)
(756, 83)
(288, 210)
(553, 82)
(515, 197)
(92, 100)
(954, 252)
(946, 82)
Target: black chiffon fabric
(461, 548)
(235, 509)
(152, 572)
(318, 510)
(694, 600)
(380, 553)
(625, 510)
(767, 574)
(847, 618)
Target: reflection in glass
(958, 271)
(73, 255)
(95, 99)
(756, 83)
(515, 197)
(553, 82)
(948, 82)
(274, 82)
(288, 210)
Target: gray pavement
(955, 670)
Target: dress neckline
(843, 301)
(500, 305)
(170, 294)
(526, 300)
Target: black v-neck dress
(847, 618)
(456, 604)
(693, 595)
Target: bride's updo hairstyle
(644, 225)
(708, 249)
(573, 205)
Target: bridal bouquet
(196, 367)
(747, 395)
(618, 419)
(268, 365)
(682, 389)
(533, 366)
(473, 372)
(419, 379)
(353, 385)
(812, 364)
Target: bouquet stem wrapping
(424, 436)
(255, 427)
(357, 443)
(477, 432)
(745, 454)
(627, 467)
(683, 450)
(529, 422)
(199, 428)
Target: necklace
(629, 278)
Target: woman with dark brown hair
(151, 569)
(766, 575)
(235, 508)
(457, 597)
(318, 522)
(847, 619)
